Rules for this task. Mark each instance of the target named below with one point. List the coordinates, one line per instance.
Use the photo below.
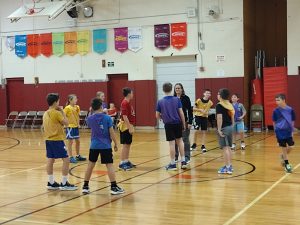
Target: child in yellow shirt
(72, 112)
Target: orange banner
(71, 43)
(179, 35)
(33, 45)
(46, 44)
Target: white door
(176, 69)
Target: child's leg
(285, 153)
(89, 170)
(227, 155)
(50, 163)
(65, 167)
(125, 152)
(180, 145)
(111, 172)
(186, 142)
(70, 143)
(196, 136)
(203, 137)
(77, 146)
(172, 151)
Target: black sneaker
(131, 164)
(193, 147)
(80, 158)
(85, 190)
(116, 190)
(68, 187)
(203, 149)
(54, 186)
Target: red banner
(33, 45)
(179, 35)
(46, 44)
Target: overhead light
(88, 11)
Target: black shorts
(106, 155)
(286, 142)
(125, 138)
(201, 123)
(173, 131)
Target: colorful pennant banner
(58, 44)
(83, 42)
(135, 39)
(162, 36)
(179, 35)
(121, 39)
(21, 45)
(46, 44)
(71, 43)
(100, 41)
(33, 45)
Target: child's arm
(113, 138)
(130, 127)
(64, 121)
(219, 124)
(244, 112)
(158, 115)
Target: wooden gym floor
(259, 191)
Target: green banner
(58, 43)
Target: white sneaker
(243, 145)
(233, 147)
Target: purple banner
(162, 36)
(121, 39)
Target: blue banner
(21, 45)
(100, 41)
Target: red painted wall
(30, 97)
(234, 84)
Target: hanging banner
(100, 41)
(162, 36)
(83, 42)
(135, 39)
(121, 39)
(46, 44)
(179, 35)
(10, 43)
(58, 44)
(33, 45)
(21, 45)
(71, 43)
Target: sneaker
(116, 190)
(187, 160)
(131, 164)
(222, 170)
(183, 165)
(229, 170)
(282, 160)
(73, 160)
(203, 149)
(288, 168)
(171, 167)
(68, 187)
(85, 190)
(80, 158)
(193, 147)
(54, 186)
(125, 167)
(243, 145)
(233, 147)
(176, 160)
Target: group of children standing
(100, 121)
(175, 110)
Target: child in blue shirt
(283, 122)
(101, 137)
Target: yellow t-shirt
(54, 130)
(72, 114)
(199, 104)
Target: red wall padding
(293, 96)
(26, 97)
(234, 84)
(275, 82)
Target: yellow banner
(71, 43)
(83, 42)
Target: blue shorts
(56, 149)
(72, 133)
(238, 127)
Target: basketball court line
(24, 215)
(258, 198)
(31, 221)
